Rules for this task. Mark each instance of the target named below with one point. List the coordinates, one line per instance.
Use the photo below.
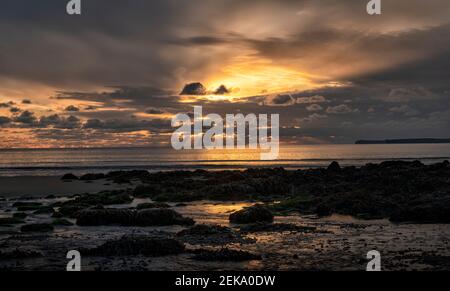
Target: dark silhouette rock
(253, 214)
(42, 227)
(334, 167)
(93, 177)
(128, 217)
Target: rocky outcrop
(254, 214)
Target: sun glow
(249, 76)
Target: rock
(92, 177)
(10, 220)
(20, 215)
(19, 254)
(204, 229)
(334, 167)
(138, 245)
(323, 210)
(72, 210)
(44, 210)
(277, 227)
(43, 227)
(27, 206)
(224, 255)
(212, 235)
(69, 177)
(152, 205)
(57, 214)
(102, 198)
(254, 214)
(423, 214)
(128, 217)
(62, 222)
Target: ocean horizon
(54, 162)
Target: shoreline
(42, 186)
(257, 219)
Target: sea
(55, 162)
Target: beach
(254, 219)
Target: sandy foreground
(44, 186)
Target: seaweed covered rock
(129, 217)
(92, 177)
(138, 245)
(253, 214)
(27, 206)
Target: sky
(117, 74)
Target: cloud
(154, 111)
(314, 107)
(222, 90)
(194, 89)
(72, 108)
(4, 120)
(282, 100)
(7, 104)
(122, 125)
(60, 122)
(311, 99)
(313, 118)
(26, 117)
(14, 110)
(26, 101)
(405, 109)
(340, 109)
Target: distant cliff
(405, 141)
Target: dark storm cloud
(26, 117)
(134, 96)
(391, 72)
(122, 125)
(72, 108)
(195, 89)
(4, 120)
(61, 122)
